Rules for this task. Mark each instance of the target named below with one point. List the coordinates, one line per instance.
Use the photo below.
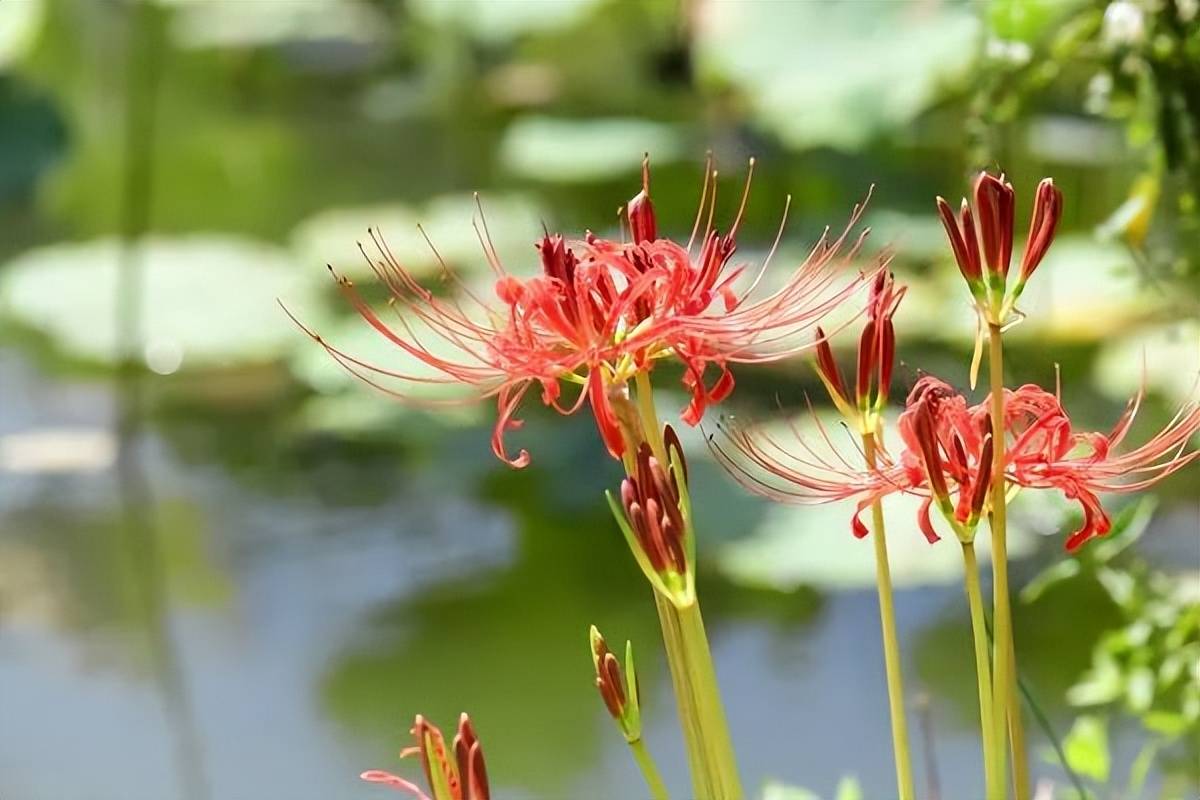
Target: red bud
(1047, 210)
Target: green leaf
(1086, 747)
(861, 70)
(1139, 689)
(565, 150)
(1101, 684)
(1166, 357)
(494, 22)
(1084, 291)
(1048, 578)
(514, 224)
(205, 24)
(205, 301)
(20, 24)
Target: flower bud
(827, 369)
(1047, 210)
(994, 204)
(619, 691)
(642, 224)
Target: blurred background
(228, 570)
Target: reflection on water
(236, 635)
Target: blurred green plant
(1147, 667)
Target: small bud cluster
(464, 778)
(876, 358)
(655, 515)
(620, 693)
(982, 239)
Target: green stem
(701, 714)
(891, 643)
(711, 758)
(1006, 709)
(1016, 728)
(658, 790)
(983, 676)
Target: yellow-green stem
(658, 790)
(983, 673)
(711, 758)
(1003, 665)
(891, 643)
(1016, 729)
(701, 715)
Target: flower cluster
(463, 778)
(600, 312)
(993, 217)
(947, 455)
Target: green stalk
(983, 675)
(1005, 705)
(891, 643)
(711, 758)
(658, 790)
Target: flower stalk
(622, 698)
(891, 642)
(711, 757)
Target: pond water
(192, 621)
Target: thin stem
(1006, 710)
(983, 675)
(658, 790)
(685, 697)
(1016, 728)
(891, 642)
(711, 758)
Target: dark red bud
(887, 358)
(1047, 210)
(994, 203)
(469, 755)
(962, 241)
(641, 211)
(828, 365)
(868, 345)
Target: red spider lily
(993, 218)
(464, 778)
(952, 443)
(876, 357)
(601, 312)
(1045, 453)
(947, 459)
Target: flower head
(463, 778)
(1043, 451)
(982, 240)
(654, 513)
(600, 312)
(620, 692)
(876, 358)
(947, 459)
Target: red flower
(602, 311)
(464, 778)
(947, 459)
(1046, 453)
(1043, 452)
(993, 219)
